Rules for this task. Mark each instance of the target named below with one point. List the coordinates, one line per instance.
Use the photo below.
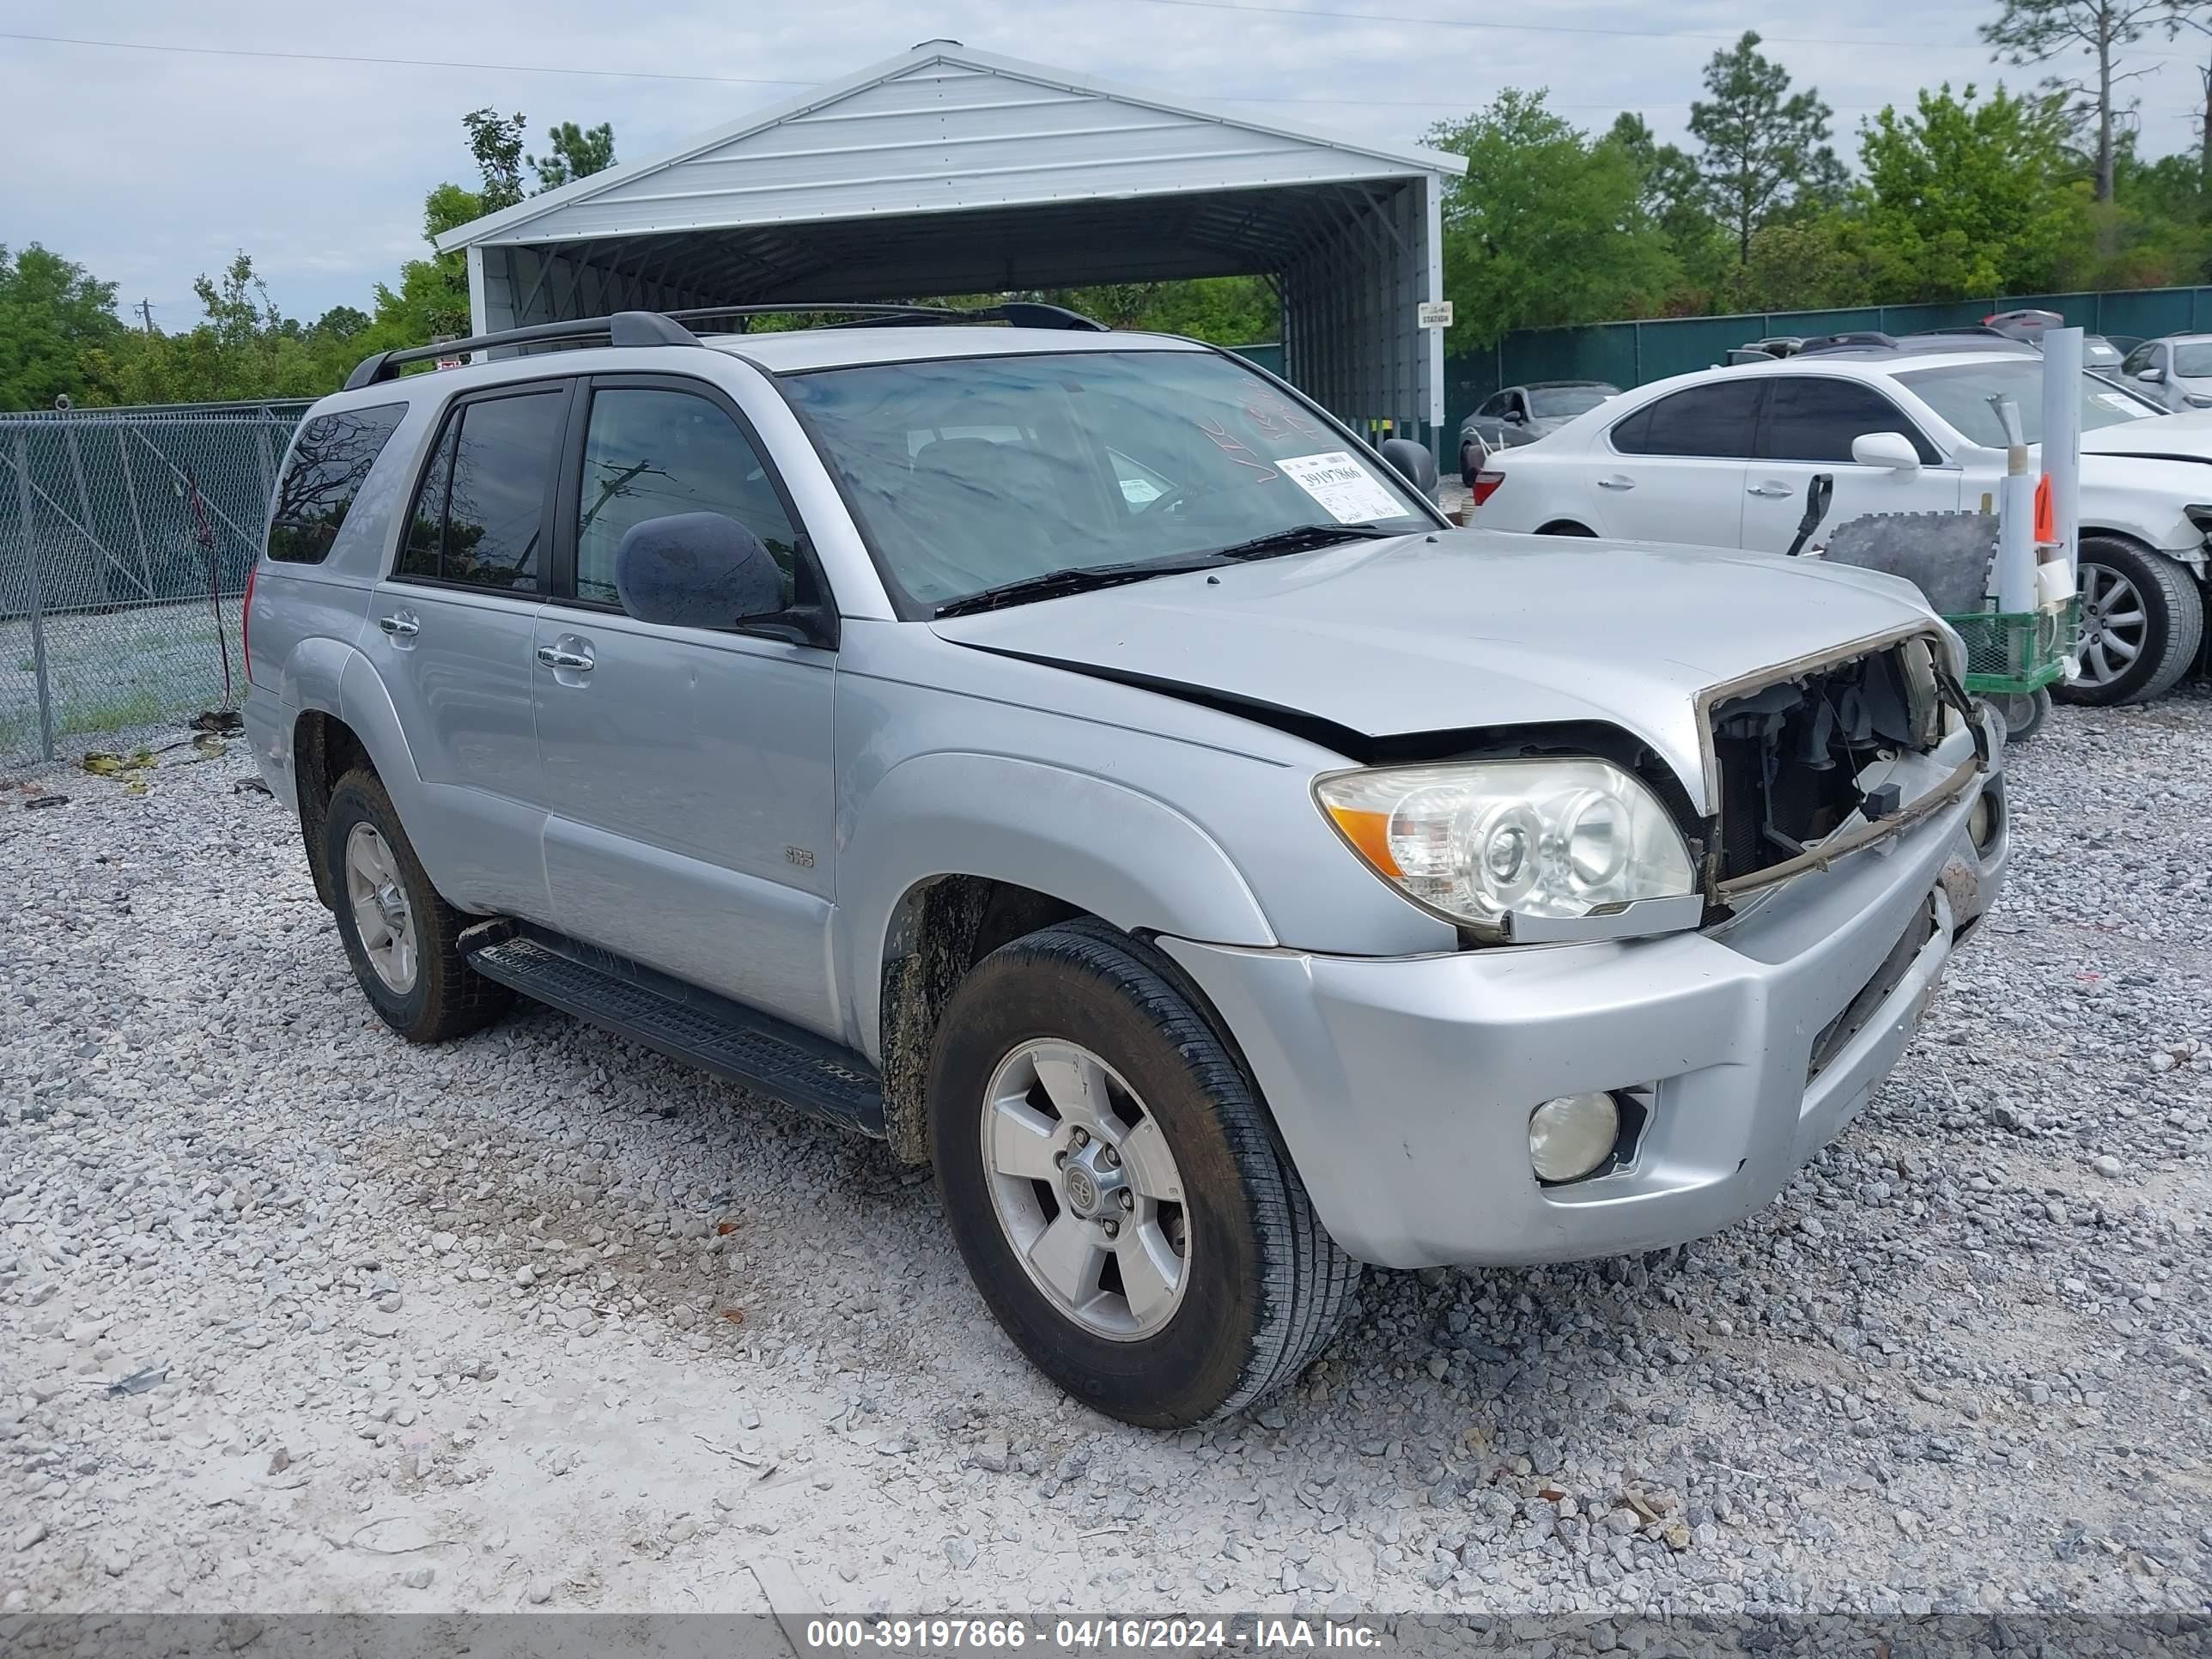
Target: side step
(681, 1020)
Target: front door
(689, 770)
(451, 635)
(1806, 430)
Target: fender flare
(1115, 851)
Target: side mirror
(2150, 376)
(696, 570)
(1890, 449)
(1514, 417)
(1414, 462)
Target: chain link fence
(125, 538)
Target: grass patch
(80, 718)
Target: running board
(681, 1020)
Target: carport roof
(946, 130)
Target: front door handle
(578, 662)
(400, 627)
(1770, 490)
(1616, 482)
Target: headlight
(1477, 842)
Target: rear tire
(1233, 1286)
(2142, 620)
(398, 934)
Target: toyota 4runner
(1077, 759)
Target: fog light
(1982, 822)
(1570, 1136)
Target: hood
(2186, 436)
(1467, 628)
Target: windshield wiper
(1298, 538)
(1076, 579)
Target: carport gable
(947, 171)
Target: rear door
(689, 770)
(1674, 470)
(1806, 430)
(451, 633)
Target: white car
(1722, 458)
(2175, 370)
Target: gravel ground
(293, 1317)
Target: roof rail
(1860, 339)
(624, 328)
(1020, 313)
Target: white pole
(2063, 387)
(2015, 571)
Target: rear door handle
(400, 627)
(1616, 482)
(1770, 490)
(578, 662)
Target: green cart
(2014, 658)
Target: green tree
(1675, 200)
(495, 141)
(1808, 263)
(242, 347)
(1764, 148)
(341, 323)
(574, 153)
(1224, 310)
(1548, 227)
(2036, 31)
(52, 313)
(1966, 195)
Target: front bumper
(1403, 1086)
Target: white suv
(1722, 458)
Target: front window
(972, 473)
(1562, 403)
(1961, 394)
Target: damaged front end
(1815, 759)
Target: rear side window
(1815, 419)
(479, 514)
(329, 461)
(1711, 420)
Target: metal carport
(945, 171)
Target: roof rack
(624, 328)
(1018, 313)
(651, 328)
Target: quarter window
(649, 453)
(1814, 419)
(479, 515)
(329, 461)
(1711, 420)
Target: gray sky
(151, 166)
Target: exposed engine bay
(1799, 759)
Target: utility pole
(146, 311)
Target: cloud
(151, 167)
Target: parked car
(2024, 325)
(1221, 889)
(2100, 354)
(1722, 458)
(1522, 414)
(1775, 345)
(2174, 371)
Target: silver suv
(1077, 759)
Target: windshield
(1560, 403)
(972, 472)
(1961, 394)
(2193, 362)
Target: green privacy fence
(1631, 353)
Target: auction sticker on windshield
(1352, 494)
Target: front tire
(400, 935)
(1116, 1189)
(2142, 620)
